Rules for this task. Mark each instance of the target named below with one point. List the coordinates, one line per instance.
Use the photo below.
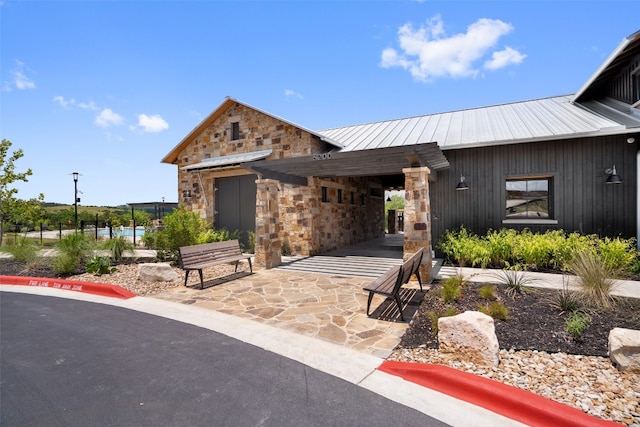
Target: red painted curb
(511, 402)
(69, 285)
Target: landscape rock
(471, 336)
(156, 272)
(624, 349)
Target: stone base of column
(417, 215)
(268, 243)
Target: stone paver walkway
(324, 306)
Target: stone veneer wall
(308, 226)
(258, 131)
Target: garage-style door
(236, 204)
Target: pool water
(126, 231)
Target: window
(528, 198)
(339, 195)
(235, 131)
(325, 198)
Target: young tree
(12, 208)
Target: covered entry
(235, 202)
(414, 165)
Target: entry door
(236, 204)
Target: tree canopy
(13, 209)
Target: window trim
(551, 182)
(234, 132)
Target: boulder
(156, 272)
(624, 349)
(471, 336)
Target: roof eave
(173, 154)
(618, 50)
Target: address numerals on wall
(322, 156)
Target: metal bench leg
(236, 269)
(201, 281)
(186, 276)
(419, 279)
(250, 267)
(369, 302)
(399, 302)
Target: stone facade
(417, 216)
(295, 217)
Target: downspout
(638, 199)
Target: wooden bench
(197, 257)
(389, 283)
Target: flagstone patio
(325, 306)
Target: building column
(417, 213)
(268, 244)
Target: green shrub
(594, 279)
(72, 249)
(618, 255)
(118, 245)
(496, 309)
(514, 280)
(181, 228)
(534, 251)
(501, 245)
(218, 235)
(23, 250)
(65, 263)
(452, 288)
(487, 292)
(566, 301)
(576, 324)
(99, 265)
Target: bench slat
(197, 257)
(391, 281)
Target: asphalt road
(74, 363)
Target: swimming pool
(125, 231)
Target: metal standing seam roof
(534, 120)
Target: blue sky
(108, 88)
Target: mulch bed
(532, 323)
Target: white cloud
(107, 118)
(427, 53)
(88, 106)
(292, 94)
(504, 58)
(64, 103)
(151, 124)
(19, 80)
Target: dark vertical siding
(580, 198)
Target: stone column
(417, 221)
(268, 244)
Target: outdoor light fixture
(462, 185)
(186, 194)
(631, 140)
(75, 199)
(388, 198)
(613, 176)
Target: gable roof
(629, 46)
(535, 120)
(222, 108)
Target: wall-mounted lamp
(388, 198)
(613, 176)
(186, 194)
(462, 185)
(631, 140)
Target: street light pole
(75, 199)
